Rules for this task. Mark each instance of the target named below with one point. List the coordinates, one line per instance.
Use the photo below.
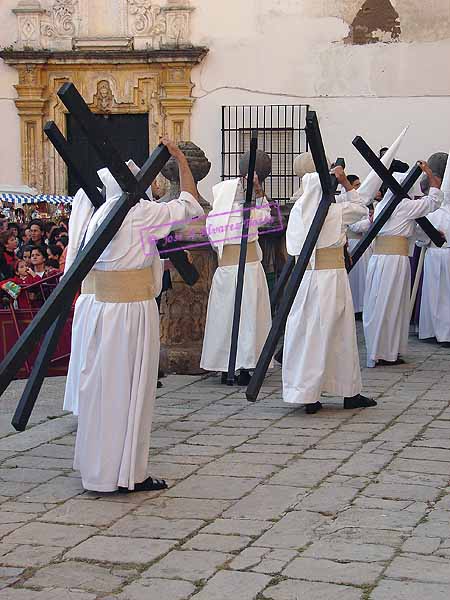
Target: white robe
(357, 276)
(256, 317)
(435, 305)
(388, 284)
(114, 361)
(320, 346)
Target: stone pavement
(264, 501)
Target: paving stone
(25, 507)
(57, 490)
(333, 572)
(377, 519)
(189, 508)
(427, 569)
(219, 543)
(402, 492)
(48, 594)
(193, 565)
(237, 527)
(39, 462)
(31, 556)
(344, 551)
(233, 584)
(154, 527)
(328, 498)
(28, 475)
(39, 434)
(426, 454)
(364, 464)
(263, 560)
(294, 530)
(258, 458)
(121, 550)
(50, 534)
(434, 529)
(11, 517)
(227, 468)
(299, 590)
(67, 575)
(361, 535)
(266, 502)
(421, 545)
(306, 473)
(146, 589)
(87, 512)
(210, 487)
(421, 466)
(408, 590)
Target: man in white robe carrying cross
(114, 361)
(320, 345)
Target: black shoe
(243, 377)
(159, 384)
(311, 409)
(358, 401)
(390, 363)
(149, 485)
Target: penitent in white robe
(320, 346)
(256, 317)
(388, 284)
(114, 360)
(435, 305)
(357, 276)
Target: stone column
(183, 308)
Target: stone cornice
(191, 54)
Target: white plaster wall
(10, 164)
(292, 52)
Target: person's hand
(433, 179)
(30, 271)
(425, 168)
(378, 196)
(173, 148)
(189, 257)
(442, 234)
(340, 175)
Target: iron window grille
(281, 133)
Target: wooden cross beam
(328, 187)
(242, 260)
(134, 189)
(400, 191)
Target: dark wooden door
(128, 133)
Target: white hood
(224, 196)
(134, 168)
(372, 183)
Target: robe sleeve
(261, 212)
(79, 220)
(415, 209)
(159, 219)
(361, 226)
(353, 208)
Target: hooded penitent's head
(437, 163)
(134, 168)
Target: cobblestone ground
(264, 501)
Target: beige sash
(230, 256)
(117, 287)
(392, 244)
(351, 235)
(328, 258)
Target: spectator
(15, 229)
(39, 263)
(48, 228)
(26, 236)
(37, 233)
(63, 243)
(8, 246)
(26, 254)
(54, 253)
(55, 235)
(23, 276)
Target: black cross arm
(67, 153)
(397, 189)
(279, 322)
(242, 260)
(95, 131)
(66, 289)
(384, 216)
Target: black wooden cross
(61, 299)
(399, 191)
(242, 260)
(328, 188)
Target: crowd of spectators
(29, 253)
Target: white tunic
(435, 304)
(357, 276)
(320, 346)
(113, 373)
(256, 317)
(388, 285)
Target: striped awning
(24, 199)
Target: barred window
(281, 133)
